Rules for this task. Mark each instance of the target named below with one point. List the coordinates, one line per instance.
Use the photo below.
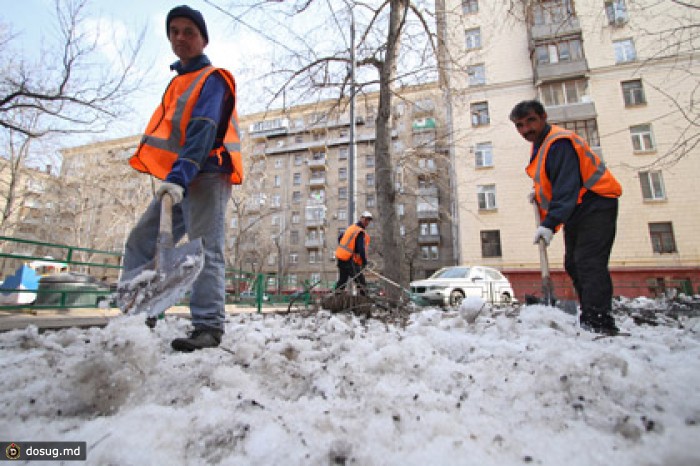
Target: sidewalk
(92, 317)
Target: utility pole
(352, 169)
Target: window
(551, 11)
(429, 253)
(296, 197)
(343, 153)
(342, 214)
(470, 6)
(473, 38)
(624, 51)
(642, 138)
(429, 229)
(369, 160)
(275, 220)
(278, 163)
(297, 179)
(342, 193)
(562, 51)
(480, 113)
(369, 179)
(342, 173)
(652, 185)
(633, 93)
(427, 164)
(477, 75)
(661, 235)
(487, 196)
(564, 93)
(294, 258)
(371, 201)
(294, 237)
(587, 129)
(483, 155)
(299, 138)
(296, 218)
(400, 210)
(276, 200)
(298, 159)
(616, 11)
(491, 243)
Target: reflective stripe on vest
(159, 149)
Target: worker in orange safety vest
(351, 254)
(573, 187)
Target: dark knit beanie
(183, 11)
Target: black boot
(599, 321)
(199, 338)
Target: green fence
(93, 275)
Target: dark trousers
(346, 271)
(588, 243)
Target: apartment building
(285, 219)
(621, 74)
(300, 186)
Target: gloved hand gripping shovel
(547, 284)
(163, 281)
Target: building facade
(622, 75)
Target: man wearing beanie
(192, 144)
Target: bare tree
(316, 63)
(59, 93)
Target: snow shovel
(547, 284)
(163, 281)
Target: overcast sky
(34, 22)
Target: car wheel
(456, 298)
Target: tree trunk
(384, 174)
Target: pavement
(47, 319)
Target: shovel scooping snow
(163, 281)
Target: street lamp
(352, 172)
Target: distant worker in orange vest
(351, 254)
(192, 143)
(573, 187)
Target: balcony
(562, 70)
(429, 239)
(314, 222)
(572, 112)
(313, 243)
(566, 27)
(428, 214)
(317, 162)
(429, 191)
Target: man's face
(531, 125)
(185, 39)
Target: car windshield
(452, 272)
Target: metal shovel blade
(162, 282)
(152, 288)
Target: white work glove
(531, 197)
(176, 191)
(544, 233)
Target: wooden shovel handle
(544, 259)
(165, 232)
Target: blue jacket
(206, 128)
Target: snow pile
(477, 386)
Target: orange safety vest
(595, 175)
(346, 248)
(165, 133)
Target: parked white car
(450, 285)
